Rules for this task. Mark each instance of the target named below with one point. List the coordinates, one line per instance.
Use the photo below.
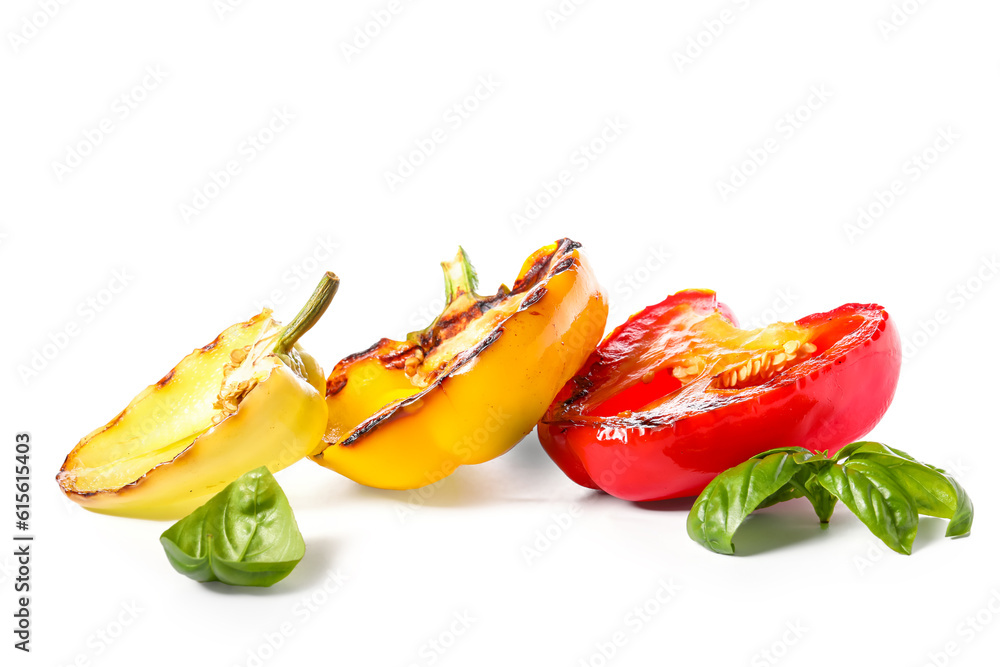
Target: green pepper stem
(309, 315)
(459, 277)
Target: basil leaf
(874, 495)
(801, 454)
(933, 491)
(961, 521)
(869, 447)
(822, 500)
(789, 491)
(884, 487)
(847, 450)
(734, 494)
(804, 485)
(246, 535)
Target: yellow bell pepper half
(249, 398)
(404, 414)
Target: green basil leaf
(875, 497)
(886, 488)
(961, 520)
(801, 454)
(869, 447)
(729, 498)
(822, 500)
(246, 535)
(804, 485)
(863, 445)
(933, 491)
(789, 491)
(856, 449)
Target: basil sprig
(886, 488)
(246, 535)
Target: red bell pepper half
(679, 393)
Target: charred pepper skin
(657, 437)
(249, 398)
(405, 414)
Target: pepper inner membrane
(703, 354)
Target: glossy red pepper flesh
(678, 393)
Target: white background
(777, 247)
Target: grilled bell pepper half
(678, 394)
(405, 414)
(250, 398)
